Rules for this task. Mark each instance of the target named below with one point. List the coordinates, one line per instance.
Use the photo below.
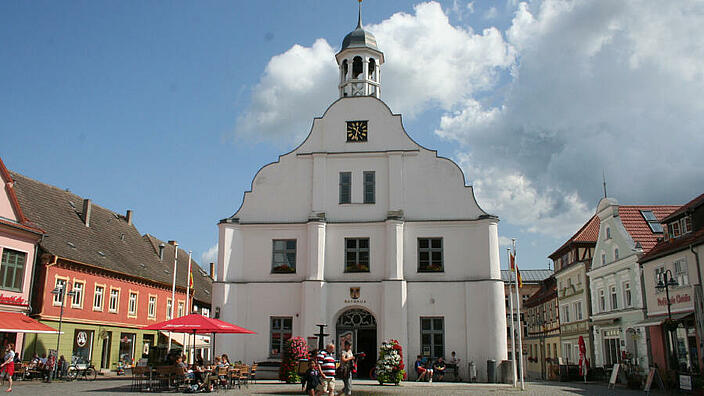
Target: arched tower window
(356, 67)
(345, 69)
(372, 69)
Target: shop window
(432, 337)
(127, 346)
(83, 344)
(356, 254)
(12, 270)
(369, 187)
(283, 259)
(280, 330)
(430, 255)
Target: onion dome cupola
(359, 60)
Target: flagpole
(173, 288)
(518, 314)
(188, 307)
(513, 330)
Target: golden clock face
(356, 131)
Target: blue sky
(140, 105)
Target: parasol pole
(191, 359)
(173, 288)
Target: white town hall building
(364, 230)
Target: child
(313, 378)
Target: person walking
(8, 364)
(347, 358)
(326, 360)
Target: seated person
(422, 371)
(454, 365)
(439, 368)
(183, 369)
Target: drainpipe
(698, 297)
(34, 271)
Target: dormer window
(608, 232)
(653, 222)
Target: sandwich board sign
(614, 376)
(652, 375)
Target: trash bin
(491, 371)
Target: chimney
(161, 251)
(87, 208)
(173, 243)
(212, 271)
(129, 217)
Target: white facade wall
(417, 195)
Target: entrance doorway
(358, 326)
(107, 342)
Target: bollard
(472, 372)
(491, 371)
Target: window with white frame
(169, 309)
(614, 298)
(132, 305)
(602, 301)
(627, 296)
(578, 310)
(280, 331)
(98, 298)
(658, 271)
(616, 255)
(565, 313)
(180, 309)
(77, 300)
(681, 273)
(114, 300)
(603, 258)
(345, 187)
(608, 233)
(60, 284)
(432, 337)
(152, 307)
(369, 187)
(12, 269)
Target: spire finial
(603, 176)
(359, 18)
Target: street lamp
(60, 290)
(665, 282)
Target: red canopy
(198, 324)
(17, 322)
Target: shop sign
(676, 299)
(81, 339)
(12, 300)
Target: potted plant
(390, 368)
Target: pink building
(18, 244)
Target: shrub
(295, 349)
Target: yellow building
(542, 338)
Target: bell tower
(360, 63)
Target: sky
(170, 108)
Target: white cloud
(597, 85)
(491, 13)
(504, 241)
(568, 90)
(209, 256)
(429, 63)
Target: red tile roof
(638, 227)
(696, 202)
(664, 248)
(588, 233)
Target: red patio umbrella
(198, 324)
(583, 362)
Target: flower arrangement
(295, 349)
(390, 367)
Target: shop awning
(658, 320)
(16, 322)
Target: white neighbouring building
(626, 232)
(364, 230)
